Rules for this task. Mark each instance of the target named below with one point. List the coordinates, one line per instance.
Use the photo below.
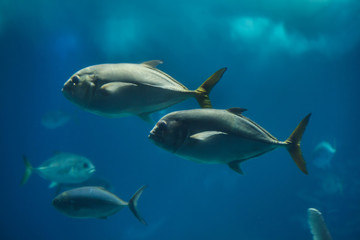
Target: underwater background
(285, 59)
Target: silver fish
(117, 90)
(221, 136)
(95, 202)
(63, 167)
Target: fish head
(80, 87)
(62, 201)
(83, 168)
(169, 133)
(69, 202)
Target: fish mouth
(154, 137)
(66, 89)
(91, 170)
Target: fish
(222, 136)
(54, 119)
(323, 154)
(125, 89)
(317, 225)
(62, 168)
(95, 202)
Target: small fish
(221, 136)
(61, 168)
(95, 202)
(55, 119)
(323, 154)
(118, 90)
(317, 225)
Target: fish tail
(28, 171)
(293, 144)
(133, 204)
(202, 92)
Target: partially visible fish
(92, 181)
(222, 136)
(95, 202)
(118, 90)
(55, 119)
(317, 225)
(323, 154)
(61, 168)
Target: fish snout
(67, 87)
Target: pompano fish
(117, 90)
(63, 167)
(221, 136)
(94, 202)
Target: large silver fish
(117, 90)
(94, 202)
(221, 136)
(67, 168)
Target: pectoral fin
(53, 184)
(146, 117)
(113, 87)
(203, 136)
(152, 63)
(236, 167)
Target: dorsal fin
(236, 111)
(152, 63)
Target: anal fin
(235, 165)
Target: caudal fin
(293, 144)
(204, 90)
(28, 171)
(133, 204)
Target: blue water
(285, 59)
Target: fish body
(118, 90)
(221, 136)
(65, 168)
(94, 202)
(55, 119)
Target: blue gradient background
(284, 58)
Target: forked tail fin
(204, 90)
(133, 204)
(28, 171)
(293, 144)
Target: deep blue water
(285, 59)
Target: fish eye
(162, 125)
(85, 165)
(75, 80)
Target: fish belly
(95, 211)
(224, 149)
